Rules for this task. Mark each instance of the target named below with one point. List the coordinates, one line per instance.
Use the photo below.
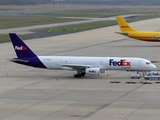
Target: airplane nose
(153, 67)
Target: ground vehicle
(147, 82)
(152, 75)
(135, 76)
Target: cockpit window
(149, 74)
(147, 63)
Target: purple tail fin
(21, 49)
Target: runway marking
(10, 67)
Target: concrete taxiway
(39, 94)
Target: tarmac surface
(39, 94)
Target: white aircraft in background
(83, 65)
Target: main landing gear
(79, 74)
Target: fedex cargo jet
(83, 65)
(128, 31)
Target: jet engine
(92, 71)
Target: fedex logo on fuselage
(92, 71)
(20, 48)
(122, 62)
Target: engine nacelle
(92, 71)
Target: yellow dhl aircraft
(140, 35)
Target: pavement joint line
(37, 103)
(20, 111)
(133, 111)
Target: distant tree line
(107, 2)
(25, 2)
(112, 2)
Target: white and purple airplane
(83, 65)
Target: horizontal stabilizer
(122, 33)
(19, 60)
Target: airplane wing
(76, 66)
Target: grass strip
(21, 21)
(80, 27)
(6, 38)
(79, 14)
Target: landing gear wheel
(83, 74)
(79, 76)
(75, 76)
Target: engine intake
(92, 71)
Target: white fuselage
(104, 63)
(83, 65)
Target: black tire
(79, 76)
(83, 74)
(75, 76)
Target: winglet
(123, 25)
(21, 49)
